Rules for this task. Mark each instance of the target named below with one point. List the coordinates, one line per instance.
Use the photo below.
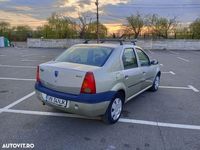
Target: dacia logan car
(96, 79)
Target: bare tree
(126, 32)
(161, 26)
(85, 20)
(136, 23)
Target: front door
(147, 73)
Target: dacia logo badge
(56, 73)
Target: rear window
(95, 56)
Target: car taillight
(89, 85)
(38, 74)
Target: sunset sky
(112, 12)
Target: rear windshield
(95, 56)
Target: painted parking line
(26, 60)
(173, 52)
(160, 124)
(1, 110)
(189, 87)
(29, 112)
(13, 66)
(193, 88)
(17, 79)
(29, 55)
(161, 65)
(186, 60)
(2, 55)
(170, 72)
(122, 120)
(175, 87)
(19, 100)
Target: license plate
(56, 101)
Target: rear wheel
(114, 109)
(156, 84)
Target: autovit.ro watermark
(17, 145)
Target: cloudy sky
(112, 12)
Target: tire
(112, 116)
(156, 84)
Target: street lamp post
(97, 4)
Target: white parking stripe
(174, 52)
(160, 124)
(152, 123)
(186, 60)
(29, 112)
(1, 110)
(29, 55)
(25, 60)
(122, 120)
(11, 66)
(161, 65)
(181, 126)
(2, 55)
(16, 79)
(32, 55)
(170, 72)
(189, 87)
(19, 101)
(193, 88)
(174, 87)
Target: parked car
(96, 79)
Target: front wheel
(114, 110)
(156, 84)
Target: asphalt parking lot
(166, 120)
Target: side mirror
(154, 62)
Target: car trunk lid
(63, 76)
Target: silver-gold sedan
(96, 79)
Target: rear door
(132, 73)
(145, 65)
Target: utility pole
(97, 4)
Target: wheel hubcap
(157, 82)
(116, 108)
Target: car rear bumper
(82, 104)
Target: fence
(170, 44)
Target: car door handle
(126, 76)
(144, 72)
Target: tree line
(160, 27)
(137, 26)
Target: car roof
(110, 45)
(100, 45)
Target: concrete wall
(52, 43)
(20, 44)
(146, 44)
(170, 44)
